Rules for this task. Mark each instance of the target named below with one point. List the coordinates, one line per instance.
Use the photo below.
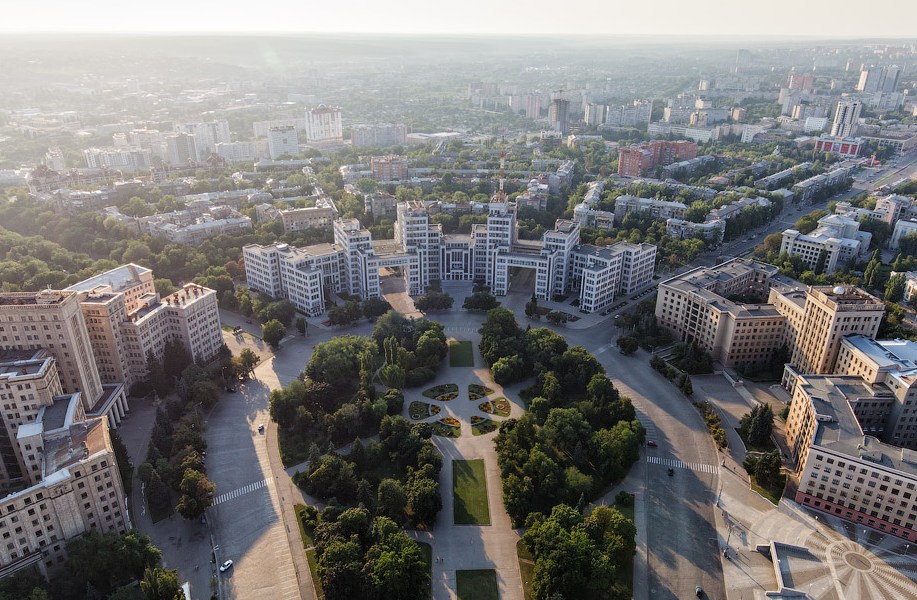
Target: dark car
(651, 443)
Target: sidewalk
(635, 483)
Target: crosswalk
(677, 464)
(240, 491)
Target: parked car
(698, 591)
(261, 428)
(226, 566)
(651, 443)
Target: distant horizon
(777, 19)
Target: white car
(226, 566)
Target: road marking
(677, 464)
(240, 491)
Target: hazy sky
(814, 18)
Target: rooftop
(838, 428)
(12, 369)
(33, 298)
(81, 441)
(119, 279)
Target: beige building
(833, 431)
(73, 486)
(818, 318)
(52, 320)
(126, 318)
(321, 215)
(696, 307)
(716, 308)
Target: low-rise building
(710, 231)
(659, 209)
(191, 227)
(321, 215)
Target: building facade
(378, 135)
(282, 141)
(324, 125)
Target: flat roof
(118, 279)
(838, 428)
(81, 441)
(55, 415)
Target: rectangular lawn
(469, 493)
(480, 584)
(461, 354)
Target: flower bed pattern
(439, 390)
(501, 407)
(477, 391)
(484, 407)
(421, 410)
(447, 397)
(482, 426)
(447, 427)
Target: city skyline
(586, 17)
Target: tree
(767, 469)
(424, 500)
(339, 569)
(756, 425)
(391, 500)
(397, 568)
(345, 314)
(248, 360)
(272, 332)
(480, 301)
(557, 318)
(301, 325)
(531, 308)
(375, 307)
(434, 301)
(894, 289)
(157, 494)
(161, 584)
(197, 494)
(156, 375)
(628, 344)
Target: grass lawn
(469, 489)
(427, 551)
(421, 410)
(312, 557)
(625, 573)
(527, 568)
(461, 354)
(480, 584)
(769, 447)
(772, 494)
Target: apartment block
(389, 168)
(321, 215)
(282, 141)
(658, 209)
(324, 125)
(833, 431)
(378, 135)
(636, 161)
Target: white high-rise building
(324, 125)
(282, 140)
(180, 149)
(206, 135)
(846, 118)
(233, 152)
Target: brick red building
(636, 161)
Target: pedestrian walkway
(240, 491)
(677, 464)
(461, 329)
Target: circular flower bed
(485, 407)
(501, 407)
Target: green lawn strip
(527, 568)
(480, 584)
(461, 354)
(469, 489)
(312, 557)
(427, 551)
(624, 574)
(773, 494)
(441, 389)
